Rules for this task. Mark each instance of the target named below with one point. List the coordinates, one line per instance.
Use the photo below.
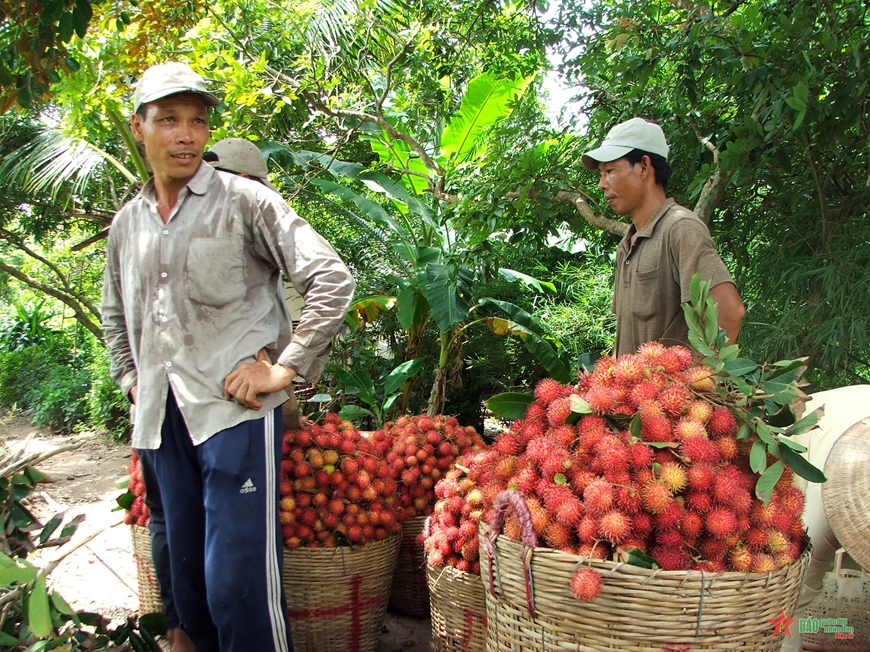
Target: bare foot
(178, 641)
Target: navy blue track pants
(220, 499)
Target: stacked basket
(458, 610)
(337, 597)
(530, 607)
(410, 594)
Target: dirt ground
(101, 575)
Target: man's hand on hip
(254, 378)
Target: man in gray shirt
(665, 246)
(201, 342)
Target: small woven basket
(530, 607)
(410, 594)
(458, 610)
(149, 589)
(337, 597)
(842, 605)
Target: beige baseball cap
(636, 133)
(240, 156)
(167, 79)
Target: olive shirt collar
(632, 235)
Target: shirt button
(163, 275)
(168, 364)
(165, 231)
(165, 319)
(627, 261)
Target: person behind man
(201, 343)
(664, 247)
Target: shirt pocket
(645, 297)
(215, 271)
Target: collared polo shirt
(654, 274)
(187, 302)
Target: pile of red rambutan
(138, 513)
(335, 485)
(419, 451)
(683, 492)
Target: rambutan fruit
(792, 501)
(548, 390)
(558, 411)
(557, 536)
(598, 496)
(641, 392)
(656, 497)
(687, 428)
(713, 549)
(586, 584)
(673, 475)
(579, 478)
(564, 435)
(763, 515)
(727, 482)
(642, 523)
(777, 541)
(590, 437)
(647, 409)
(710, 566)
(671, 517)
(700, 476)
(699, 378)
(699, 501)
(587, 529)
(558, 460)
(692, 524)
(617, 476)
(674, 399)
(555, 495)
(656, 429)
(627, 498)
(539, 449)
(763, 563)
(508, 443)
(639, 456)
(505, 467)
(699, 449)
(525, 480)
(628, 369)
(720, 522)
(613, 457)
(649, 352)
(781, 519)
(642, 476)
(591, 422)
(671, 557)
(601, 399)
(539, 516)
(614, 526)
(675, 359)
(513, 530)
(722, 423)
(728, 448)
(740, 559)
(536, 411)
(568, 512)
(741, 502)
(699, 411)
(669, 538)
(531, 430)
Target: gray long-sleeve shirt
(187, 302)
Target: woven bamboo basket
(530, 607)
(149, 589)
(458, 610)
(337, 597)
(410, 594)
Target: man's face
(174, 132)
(622, 185)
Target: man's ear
(136, 127)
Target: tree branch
(714, 187)
(80, 313)
(579, 202)
(78, 296)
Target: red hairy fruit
(548, 390)
(598, 496)
(586, 584)
(656, 497)
(722, 423)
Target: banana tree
(441, 266)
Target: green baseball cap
(636, 133)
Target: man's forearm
(731, 309)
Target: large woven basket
(337, 597)
(458, 610)
(149, 589)
(843, 607)
(410, 594)
(530, 607)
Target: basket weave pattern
(638, 610)
(149, 589)
(458, 610)
(337, 597)
(410, 594)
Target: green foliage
(27, 326)
(107, 407)
(768, 400)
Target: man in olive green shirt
(664, 247)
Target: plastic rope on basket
(504, 500)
